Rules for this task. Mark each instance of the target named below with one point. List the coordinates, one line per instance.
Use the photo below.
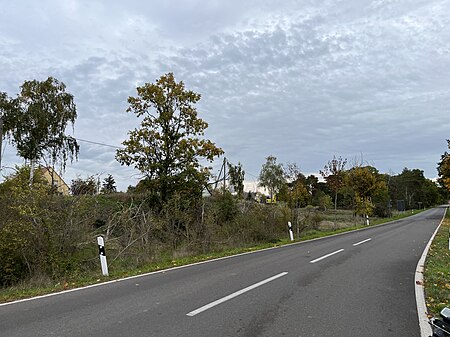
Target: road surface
(356, 284)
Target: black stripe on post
(101, 250)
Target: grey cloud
(372, 77)
(301, 80)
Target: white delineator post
(101, 250)
(367, 220)
(291, 234)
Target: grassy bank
(42, 285)
(437, 271)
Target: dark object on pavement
(441, 327)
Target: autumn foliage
(444, 169)
(168, 146)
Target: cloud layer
(299, 80)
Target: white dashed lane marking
(361, 242)
(325, 256)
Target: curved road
(357, 284)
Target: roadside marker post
(291, 234)
(102, 253)
(367, 220)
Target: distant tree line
(178, 207)
(361, 188)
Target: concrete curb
(425, 328)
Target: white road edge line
(162, 271)
(325, 256)
(361, 242)
(235, 294)
(425, 328)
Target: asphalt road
(357, 284)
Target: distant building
(252, 186)
(55, 180)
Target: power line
(254, 176)
(98, 143)
(246, 172)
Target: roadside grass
(437, 271)
(119, 270)
(397, 216)
(345, 218)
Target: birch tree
(38, 119)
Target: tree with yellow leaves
(169, 145)
(444, 169)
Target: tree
(237, 175)
(295, 191)
(86, 186)
(38, 119)
(324, 201)
(412, 187)
(272, 176)
(7, 109)
(369, 190)
(334, 173)
(362, 180)
(292, 174)
(24, 220)
(430, 194)
(3, 102)
(444, 169)
(297, 194)
(168, 145)
(316, 191)
(109, 185)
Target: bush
(51, 237)
(43, 233)
(224, 207)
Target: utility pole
(224, 174)
(218, 178)
(221, 179)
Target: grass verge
(437, 271)
(38, 287)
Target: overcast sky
(300, 80)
